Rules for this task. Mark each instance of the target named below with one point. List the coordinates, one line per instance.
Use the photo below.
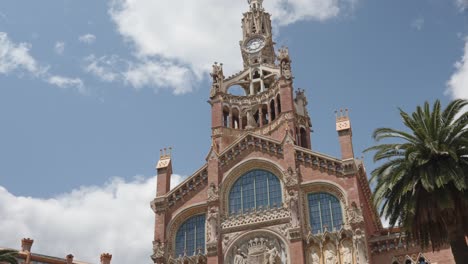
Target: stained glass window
(324, 211)
(255, 190)
(190, 237)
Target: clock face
(254, 45)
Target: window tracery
(257, 189)
(325, 212)
(190, 237)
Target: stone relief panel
(258, 248)
(330, 254)
(346, 252)
(314, 254)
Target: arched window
(190, 237)
(256, 189)
(324, 211)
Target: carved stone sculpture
(346, 252)
(212, 193)
(272, 256)
(218, 77)
(239, 258)
(293, 206)
(212, 220)
(286, 69)
(314, 256)
(354, 214)
(291, 177)
(158, 249)
(330, 254)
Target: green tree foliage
(8, 256)
(421, 183)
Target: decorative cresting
(393, 241)
(249, 143)
(258, 247)
(176, 222)
(198, 180)
(325, 163)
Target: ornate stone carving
(260, 249)
(218, 77)
(360, 245)
(159, 251)
(291, 177)
(354, 214)
(159, 205)
(314, 255)
(329, 253)
(286, 70)
(212, 224)
(283, 54)
(256, 218)
(212, 193)
(346, 252)
(292, 203)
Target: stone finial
(165, 153)
(164, 158)
(26, 244)
(106, 258)
(69, 259)
(342, 120)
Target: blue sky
(91, 90)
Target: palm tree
(8, 256)
(421, 183)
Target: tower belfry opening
(267, 100)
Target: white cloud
(65, 82)
(190, 36)
(59, 47)
(458, 83)
(86, 222)
(418, 23)
(87, 38)
(142, 73)
(16, 56)
(105, 68)
(462, 4)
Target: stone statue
(314, 256)
(286, 69)
(239, 258)
(346, 252)
(354, 214)
(212, 192)
(250, 120)
(330, 255)
(212, 224)
(283, 54)
(272, 256)
(292, 203)
(217, 75)
(158, 249)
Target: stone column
(260, 115)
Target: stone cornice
(188, 186)
(325, 162)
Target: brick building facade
(264, 196)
